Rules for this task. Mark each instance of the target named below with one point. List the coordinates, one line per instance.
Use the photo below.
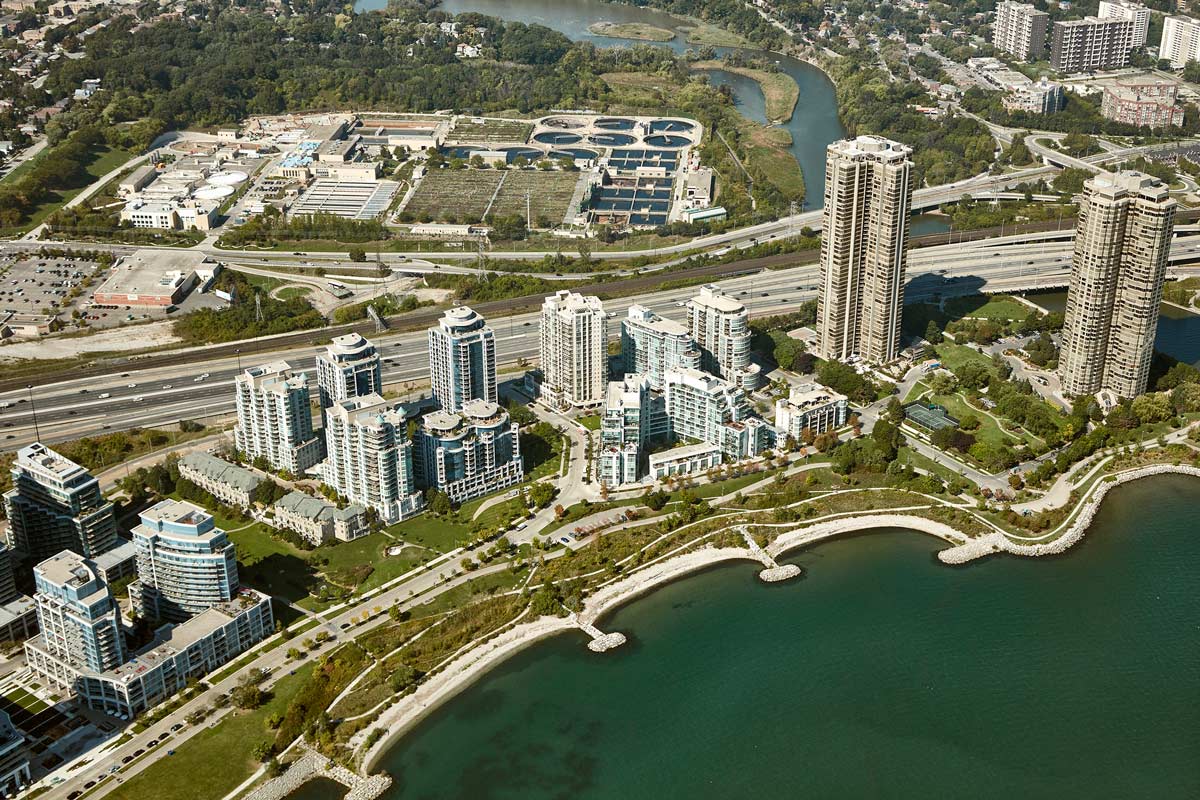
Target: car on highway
(166, 386)
(137, 753)
(176, 727)
(137, 399)
(131, 386)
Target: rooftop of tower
(648, 319)
(349, 345)
(876, 147)
(461, 318)
(42, 459)
(714, 298)
(1129, 181)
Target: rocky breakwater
(313, 765)
(998, 542)
(772, 572)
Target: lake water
(882, 673)
(813, 127)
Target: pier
(314, 765)
(772, 572)
(601, 641)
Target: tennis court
(929, 417)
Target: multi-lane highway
(204, 390)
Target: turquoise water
(881, 673)
(813, 126)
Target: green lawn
(293, 291)
(542, 454)
(438, 533)
(272, 565)
(954, 356)
(915, 459)
(999, 307)
(106, 160)
(989, 430)
(215, 761)
(725, 487)
(591, 421)
(459, 595)
(372, 550)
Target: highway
(924, 198)
(163, 395)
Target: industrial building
(155, 278)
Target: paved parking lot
(41, 285)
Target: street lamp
(32, 405)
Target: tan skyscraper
(1122, 240)
(868, 192)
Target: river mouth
(813, 127)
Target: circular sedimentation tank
(563, 123)
(667, 140)
(218, 192)
(556, 137)
(671, 126)
(612, 139)
(513, 153)
(231, 177)
(615, 124)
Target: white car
(131, 386)
(166, 386)
(137, 399)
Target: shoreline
(399, 719)
(472, 666)
(781, 92)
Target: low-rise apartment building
(810, 407)
(317, 521)
(229, 483)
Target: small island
(631, 30)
